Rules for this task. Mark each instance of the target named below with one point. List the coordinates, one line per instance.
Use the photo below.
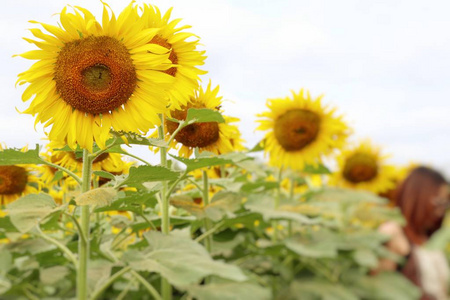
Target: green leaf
(230, 291)
(131, 201)
(319, 169)
(29, 210)
(104, 174)
(319, 289)
(97, 197)
(386, 285)
(365, 257)
(319, 245)
(15, 157)
(58, 176)
(52, 275)
(222, 203)
(5, 284)
(198, 163)
(133, 139)
(264, 205)
(6, 261)
(201, 115)
(180, 260)
(258, 147)
(143, 174)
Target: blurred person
(422, 199)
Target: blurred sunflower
(301, 131)
(47, 175)
(364, 167)
(213, 137)
(17, 181)
(109, 162)
(92, 77)
(184, 54)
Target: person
(422, 199)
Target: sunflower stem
(277, 204)
(58, 167)
(207, 222)
(83, 243)
(166, 288)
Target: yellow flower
(90, 77)
(213, 137)
(17, 181)
(364, 167)
(184, 54)
(109, 162)
(300, 131)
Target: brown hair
(415, 197)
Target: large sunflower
(300, 131)
(364, 167)
(184, 54)
(17, 181)
(92, 77)
(213, 137)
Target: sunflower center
(194, 135)
(13, 180)
(159, 40)
(360, 167)
(296, 129)
(95, 74)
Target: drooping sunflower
(364, 167)
(300, 130)
(90, 77)
(184, 54)
(17, 181)
(213, 137)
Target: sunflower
(301, 131)
(213, 137)
(364, 167)
(17, 181)
(184, 54)
(109, 162)
(91, 77)
(47, 176)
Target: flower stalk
(83, 240)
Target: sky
(384, 64)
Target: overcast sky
(384, 64)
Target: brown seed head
(297, 128)
(95, 74)
(13, 180)
(360, 167)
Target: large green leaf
(386, 285)
(198, 163)
(320, 290)
(5, 284)
(180, 260)
(15, 157)
(29, 210)
(230, 291)
(200, 115)
(264, 205)
(97, 197)
(131, 201)
(222, 204)
(143, 174)
(321, 244)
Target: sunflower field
(83, 218)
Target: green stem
(276, 205)
(147, 285)
(207, 222)
(83, 243)
(62, 247)
(166, 288)
(70, 173)
(111, 279)
(181, 125)
(122, 294)
(138, 158)
(209, 232)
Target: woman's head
(422, 198)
